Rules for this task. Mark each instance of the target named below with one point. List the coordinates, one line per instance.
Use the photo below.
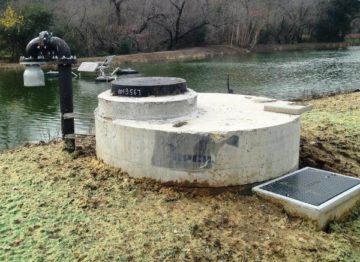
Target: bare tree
(94, 26)
(118, 9)
(177, 19)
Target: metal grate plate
(311, 186)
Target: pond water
(32, 114)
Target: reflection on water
(32, 114)
(280, 75)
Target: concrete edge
(333, 209)
(339, 207)
(288, 108)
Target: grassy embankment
(60, 207)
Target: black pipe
(32, 49)
(46, 47)
(66, 106)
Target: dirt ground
(60, 207)
(331, 134)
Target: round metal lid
(148, 86)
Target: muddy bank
(196, 53)
(331, 134)
(56, 206)
(9, 66)
(17, 66)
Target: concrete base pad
(229, 140)
(314, 194)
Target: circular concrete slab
(229, 140)
(148, 86)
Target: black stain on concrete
(188, 152)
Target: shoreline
(195, 53)
(300, 47)
(198, 53)
(316, 96)
(216, 51)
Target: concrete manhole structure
(158, 128)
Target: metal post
(66, 106)
(228, 82)
(230, 91)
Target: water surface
(32, 114)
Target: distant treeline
(94, 27)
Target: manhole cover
(148, 86)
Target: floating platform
(194, 139)
(312, 193)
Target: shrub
(336, 21)
(17, 28)
(124, 47)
